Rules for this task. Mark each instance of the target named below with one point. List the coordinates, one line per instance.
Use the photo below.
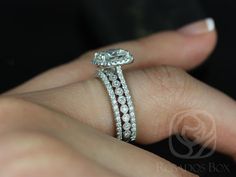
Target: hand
(56, 124)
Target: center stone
(112, 57)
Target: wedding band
(110, 72)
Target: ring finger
(161, 96)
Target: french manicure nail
(199, 27)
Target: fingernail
(199, 27)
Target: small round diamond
(126, 126)
(119, 91)
(120, 137)
(121, 99)
(133, 134)
(112, 77)
(133, 127)
(107, 84)
(128, 97)
(112, 95)
(115, 107)
(117, 118)
(131, 108)
(125, 86)
(132, 119)
(126, 92)
(118, 124)
(129, 103)
(124, 109)
(127, 134)
(132, 114)
(132, 138)
(114, 63)
(118, 129)
(116, 83)
(126, 117)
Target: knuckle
(26, 141)
(15, 112)
(10, 105)
(169, 80)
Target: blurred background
(40, 34)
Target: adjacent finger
(38, 154)
(185, 48)
(163, 97)
(45, 137)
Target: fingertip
(176, 48)
(200, 40)
(197, 49)
(199, 27)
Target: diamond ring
(110, 72)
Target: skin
(60, 123)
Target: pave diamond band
(110, 72)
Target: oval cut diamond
(112, 57)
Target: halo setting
(112, 57)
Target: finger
(161, 95)
(186, 48)
(38, 154)
(45, 137)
